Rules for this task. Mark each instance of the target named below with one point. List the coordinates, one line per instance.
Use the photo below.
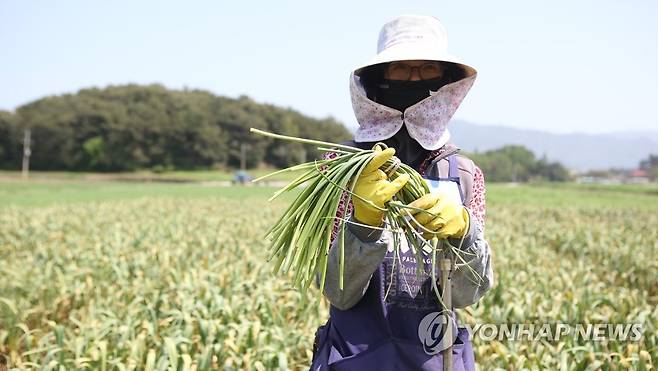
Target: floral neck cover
(426, 120)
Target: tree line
(130, 127)
(515, 163)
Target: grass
(571, 194)
(179, 175)
(44, 192)
(36, 194)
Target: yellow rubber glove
(373, 185)
(450, 217)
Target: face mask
(403, 94)
(407, 149)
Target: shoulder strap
(453, 169)
(466, 173)
(453, 175)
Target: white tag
(445, 186)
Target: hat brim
(414, 51)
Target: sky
(558, 66)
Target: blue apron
(381, 332)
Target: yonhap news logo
(432, 332)
(554, 332)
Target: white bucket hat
(411, 37)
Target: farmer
(386, 316)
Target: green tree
(10, 136)
(515, 163)
(128, 127)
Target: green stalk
(301, 238)
(307, 141)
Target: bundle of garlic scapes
(301, 238)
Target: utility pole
(27, 152)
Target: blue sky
(559, 66)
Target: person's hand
(373, 185)
(443, 215)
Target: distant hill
(577, 151)
(131, 127)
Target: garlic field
(177, 282)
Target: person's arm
(365, 249)
(473, 276)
